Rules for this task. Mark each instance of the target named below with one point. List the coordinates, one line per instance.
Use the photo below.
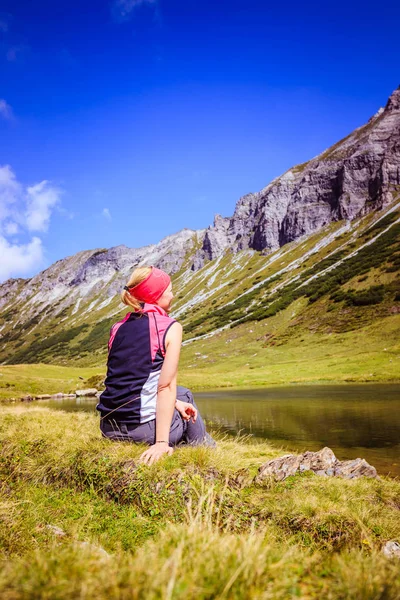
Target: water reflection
(353, 420)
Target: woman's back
(136, 355)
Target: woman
(141, 402)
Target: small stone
(56, 530)
(43, 397)
(93, 548)
(391, 549)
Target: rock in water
(87, 392)
(323, 462)
(26, 398)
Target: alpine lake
(354, 420)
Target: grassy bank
(19, 380)
(193, 525)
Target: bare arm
(166, 396)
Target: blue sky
(123, 121)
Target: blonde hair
(138, 275)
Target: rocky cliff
(359, 174)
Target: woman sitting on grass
(141, 402)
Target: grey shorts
(181, 432)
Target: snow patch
(105, 303)
(76, 307)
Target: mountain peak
(355, 176)
(393, 104)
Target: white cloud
(18, 259)
(23, 209)
(106, 213)
(10, 191)
(5, 110)
(11, 228)
(122, 10)
(41, 199)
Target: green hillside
(323, 308)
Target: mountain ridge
(351, 178)
(240, 269)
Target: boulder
(43, 397)
(87, 392)
(323, 462)
(26, 398)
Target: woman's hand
(155, 452)
(186, 410)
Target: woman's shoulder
(165, 321)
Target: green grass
(193, 525)
(20, 380)
(282, 350)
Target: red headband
(151, 288)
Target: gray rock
(56, 530)
(391, 549)
(87, 392)
(322, 463)
(349, 469)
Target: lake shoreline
(213, 387)
(356, 420)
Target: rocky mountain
(359, 174)
(305, 236)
